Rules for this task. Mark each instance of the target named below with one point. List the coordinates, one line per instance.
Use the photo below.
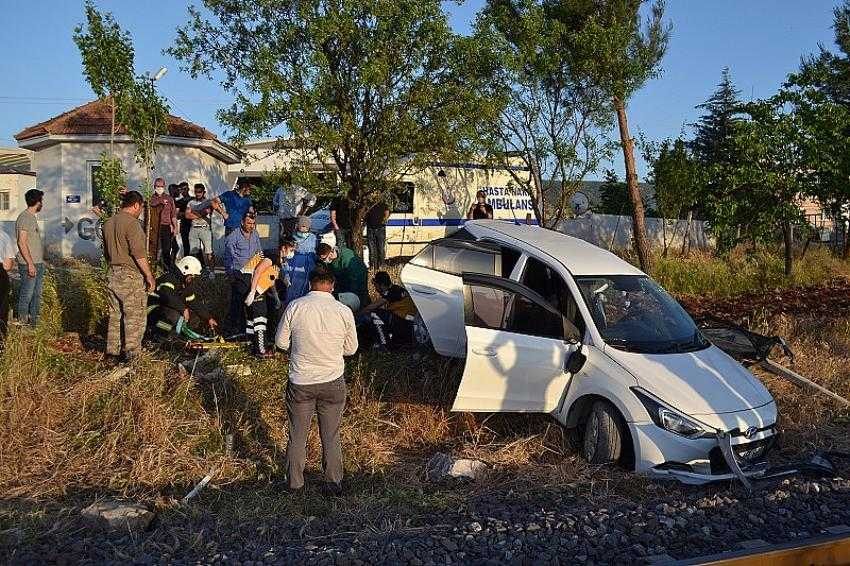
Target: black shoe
(111, 361)
(330, 489)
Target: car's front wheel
(603, 434)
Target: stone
(442, 465)
(752, 544)
(115, 514)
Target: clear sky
(759, 40)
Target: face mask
(289, 255)
(159, 190)
(301, 235)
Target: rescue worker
(390, 318)
(351, 274)
(174, 300)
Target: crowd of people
(313, 289)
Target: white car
(552, 324)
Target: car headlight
(667, 417)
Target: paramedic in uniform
(129, 279)
(480, 210)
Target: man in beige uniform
(130, 278)
(318, 331)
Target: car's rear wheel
(603, 434)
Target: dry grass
(67, 426)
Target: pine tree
(712, 143)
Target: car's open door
(517, 348)
(433, 279)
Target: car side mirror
(575, 362)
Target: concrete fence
(615, 232)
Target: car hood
(705, 382)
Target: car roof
(578, 256)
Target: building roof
(96, 118)
(578, 256)
(15, 160)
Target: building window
(4, 200)
(404, 199)
(96, 193)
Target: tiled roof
(96, 118)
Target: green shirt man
(350, 271)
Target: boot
(260, 344)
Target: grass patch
(743, 272)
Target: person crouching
(174, 300)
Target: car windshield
(633, 313)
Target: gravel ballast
(670, 522)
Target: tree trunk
(686, 237)
(638, 219)
(789, 242)
(358, 215)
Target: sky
(761, 41)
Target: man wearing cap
(30, 258)
(290, 202)
(129, 279)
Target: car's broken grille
(746, 453)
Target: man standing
(480, 210)
(237, 203)
(341, 220)
(124, 245)
(198, 217)
(376, 234)
(318, 331)
(290, 202)
(7, 260)
(185, 225)
(241, 247)
(167, 222)
(30, 258)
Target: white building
(67, 151)
(16, 177)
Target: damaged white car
(552, 324)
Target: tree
(108, 58)
(772, 171)
(380, 86)
(713, 133)
(109, 66)
(614, 195)
(550, 120)
(820, 94)
(618, 54)
(677, 178)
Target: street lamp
(159, 74)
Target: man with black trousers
(376, 234)
(182, 201)
(7, 261)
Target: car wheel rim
(590, 436)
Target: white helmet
(189, 265)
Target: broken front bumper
(722, 456)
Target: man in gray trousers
(318, 331)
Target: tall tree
(772, 172)
(713, 133)
(616, 52)
(550, 120)
(380, 86)
(108, 58)
(820, 94)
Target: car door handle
(484, 351)
(423, 290)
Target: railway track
(822, 550)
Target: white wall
(16, 185)
(615, 232)
(64, 174)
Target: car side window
(424, 258)
(457, 260)
(501, 309)
(547, 283)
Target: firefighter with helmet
(174, 302)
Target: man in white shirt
(318, 331)
(290, 202)
(7, 260)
